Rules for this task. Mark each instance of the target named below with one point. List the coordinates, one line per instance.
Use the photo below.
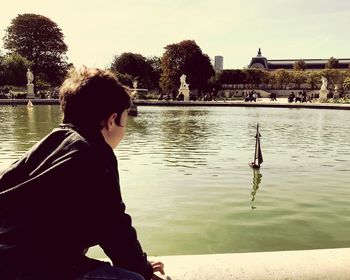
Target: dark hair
(88, 96)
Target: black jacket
(64, 196)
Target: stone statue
(324, 82)
(134, 84)
(30, 77)
(183, 83)
(184, 89)
(323, 91)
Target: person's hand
(157, 267)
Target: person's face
(114, 132)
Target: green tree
(136, 66)
(235, 76)
(313, 78)
(299, 65)
(125, 79)
(346, 84)
(272, 80)
(14, 70)
(186, 58)
(283, 78)
(333, 75)
(2, 73)
(156, 72)
(332, 63)
(254, 77)
(265, 78)
(39, 40)
(298, 78)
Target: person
(255, 96)
(63, 195)
(180, 97)
(291, 97)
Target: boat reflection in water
(256, 182)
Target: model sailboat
(29, 104)
(258, 158)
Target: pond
(187, 184)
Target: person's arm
(120, 243)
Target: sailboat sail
(258, 158)
(258, 153)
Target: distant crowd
(251, 96)
(301, 97)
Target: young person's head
(91, 98)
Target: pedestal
(30, 90)
(323, 95)
(185, 92)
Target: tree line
(281, 79)
(37, 42)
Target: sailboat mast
(256, 144)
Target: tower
(218, 63)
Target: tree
(299, 65)
(332, 63)
(282, 77)
(313, 78)
(186, 58)
(125, 79)
(254, 77)
(298, 78)
(272, 79)
(333, 76)
(156, 65)
(136, 66)
(346, 84)
(226, 76)
(265, 78)
(14, 69)
(2, 73)
(39, 40)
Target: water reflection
(256, 182)
(185, 136)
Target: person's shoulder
(75, 139)
(64, 140)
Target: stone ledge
(260, 103)
(292, 265)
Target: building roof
(311, 63)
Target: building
(218, 63)
(261, 62)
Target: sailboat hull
(253, 165)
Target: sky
(96, 31)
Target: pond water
(187, 184)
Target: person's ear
(111, 121)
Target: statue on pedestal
(30, 85)
(30, 77)
(183, 83)
(133, 94)
(323, 91)
(184, 90)
(324, 83)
